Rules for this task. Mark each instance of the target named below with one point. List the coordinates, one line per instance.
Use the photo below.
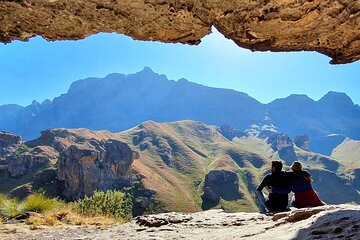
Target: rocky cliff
(96, 166)
(329, 27)
(220, 184)
(80, 159)
(20, 164)
(8, 145)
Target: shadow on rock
(342, 224)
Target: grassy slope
(194, 149)
(41, 179)
(330, 176)
(175, 157)
(348, 153)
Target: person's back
(280, 188)
(301, 181)
(304, 195)
(278, 184)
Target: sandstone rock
(329, 27)
(8, 145)
(326, 222)
(7, 139)
(163, 219)
(24, 162)
(95, 166)
(62, 138)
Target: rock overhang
(328, 27)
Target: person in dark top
(278, 184)
(304, 195)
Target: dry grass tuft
(50, 219)
(73, 218)
(35, 220)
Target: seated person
(278, 185)
(304, 195)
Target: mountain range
(183, 166)
(119, 102)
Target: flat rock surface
(326, 222)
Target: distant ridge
(118, 102)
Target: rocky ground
(326, 222)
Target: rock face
(329, 27)
(230, 133)
(302, 141)
(21, 164)
(61, 138)
(220, 184)
(8, 145)
(326, 222)
(280, 141)
(97, 166)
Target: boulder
(98, 165)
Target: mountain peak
(147, 70)
(337, 97)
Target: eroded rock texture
(329, 27)
(326, 222)
(8, 145)
(20, 164)
(95, 166)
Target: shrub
(9, 208)
(113, 204)
(40, 204)
(22, 149)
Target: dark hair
(277, 165)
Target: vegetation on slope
(101, 208)
(175, 159)
(192, 150)
(348, 153)
(113, 204)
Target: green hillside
(348, 153)
(179, 155)
(191, 167)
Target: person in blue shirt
(304, 195)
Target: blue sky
(39, 70)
